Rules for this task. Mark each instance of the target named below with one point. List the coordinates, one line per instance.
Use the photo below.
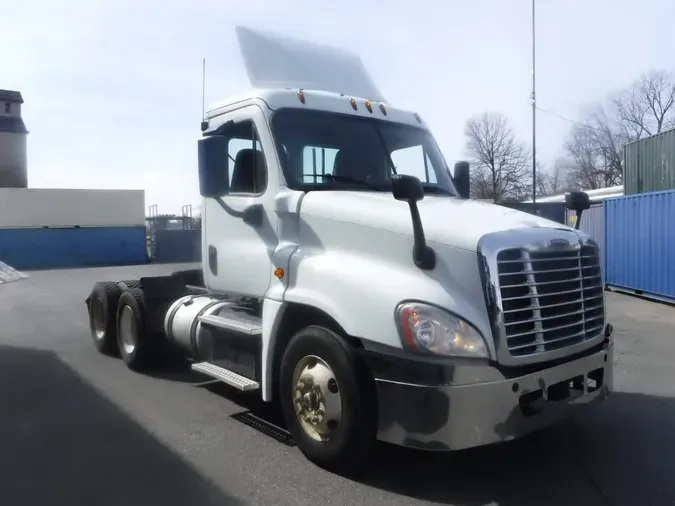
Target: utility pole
(534, 117)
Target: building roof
(12, 124)
(11, 96)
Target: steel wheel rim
(128, 330)
(98, 322)
(317, 401)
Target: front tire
(328, 399)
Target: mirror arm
(423, 255)
(577, 222)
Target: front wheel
(328, 399)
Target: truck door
(240, 228)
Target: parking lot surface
(80, 428)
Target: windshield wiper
(349, 179)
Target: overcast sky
(112, 88)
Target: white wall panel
(34, 207)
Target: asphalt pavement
(78, 428)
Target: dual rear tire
(117, 323)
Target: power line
(565, 118)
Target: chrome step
(242, 327)
(231, 378)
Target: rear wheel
(129, 283)
(132, 338)
(328, 400)
(102, 316)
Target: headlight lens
(429, 328)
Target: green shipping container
(649, 164)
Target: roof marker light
(369, 106)
(383, 109)
(301, 97)
(353, 102)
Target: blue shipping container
(49, 248)
(176, 246)
(639, 244)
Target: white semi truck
(348, 278)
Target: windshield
(329, 151)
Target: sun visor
(276, 61)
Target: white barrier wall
(33, 208)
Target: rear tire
(328, 400)
(102, 304)
(132, 338)
(129, 283)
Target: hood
(450, 221)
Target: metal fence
(176, 246)
(593, 223)
(172, 238)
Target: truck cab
(348, 277)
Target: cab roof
(327, 101)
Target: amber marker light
(279, 273)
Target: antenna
(205, 124)
(534, 116)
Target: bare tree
(555, 180)
(594, 149)
(595, 154)
(559, 178)
(544, 182)
(647, 107)
(500, 161)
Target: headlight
(429, 328)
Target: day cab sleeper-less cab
(347, 277)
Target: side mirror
(406, 188)
(214, 177)
(462, 178)
(579, 202)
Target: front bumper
(453, 417)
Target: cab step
(231, 324)
(226, 376)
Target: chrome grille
(550, 298)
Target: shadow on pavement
(620, 453)
(62, 443)
(623, 453)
